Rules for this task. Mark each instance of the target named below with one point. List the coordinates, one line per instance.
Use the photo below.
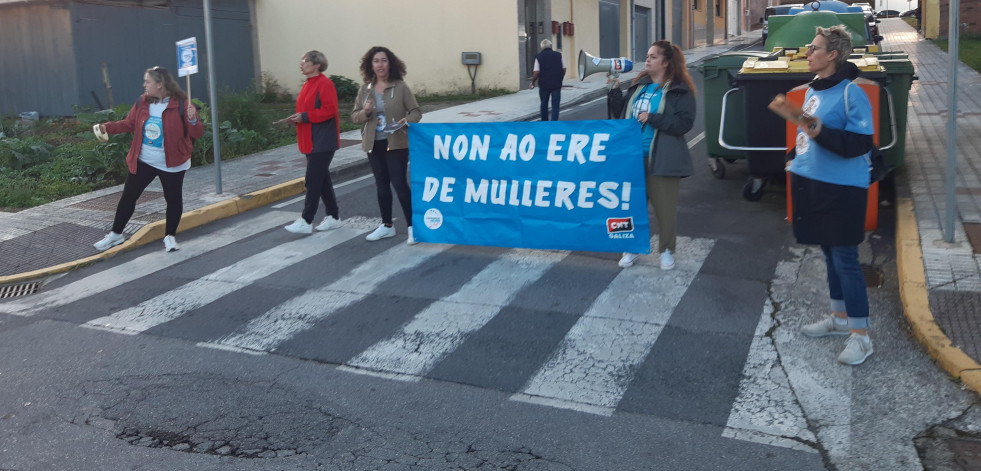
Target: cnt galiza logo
(620, 228)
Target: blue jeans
(556, 95)
(846, 284)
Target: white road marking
(592, 367)
(144, 265)
(175, 303)
(766, 411)
(695, 140)
(298, 314)
(444, 325)
(821, 385)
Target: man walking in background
(550, 69)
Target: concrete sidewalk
(940, 283)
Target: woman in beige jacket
(385, 105)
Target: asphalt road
(253, 348)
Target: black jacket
(668, 155)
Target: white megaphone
(589, 65)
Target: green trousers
(662, 192)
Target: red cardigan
(177, 148)
(320, 130)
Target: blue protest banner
(564, 185)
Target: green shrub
(241, 109)
(21, 152)
(272, 91)
(347, 89)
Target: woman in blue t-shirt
(829, 177)
(662, 99)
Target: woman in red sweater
(161, 147)
(318, 136)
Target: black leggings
(173, 184)
(391, 170)
(319, 186)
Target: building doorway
(642, 33)
(609, 29)
(534, 25)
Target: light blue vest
(816, 162)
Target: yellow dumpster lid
(793, 62)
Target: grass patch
(969, 50)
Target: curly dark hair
(396, 68)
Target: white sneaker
(329, 223)
(667, 260)
(411, 240)
(300, 227)
(627, 259)
(857, 349)
(824, 327)
(382, 232)
(170, 243)
(110, 240)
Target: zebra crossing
(588, 361)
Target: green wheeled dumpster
(718, 73)
(738, 124)
(899, 79)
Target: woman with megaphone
(662, 99)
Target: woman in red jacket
(318, 136)
(161, 147)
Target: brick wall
(970, 18)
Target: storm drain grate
(23, 289)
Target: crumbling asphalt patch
(238, 418)
(952, 446)
(209, 414)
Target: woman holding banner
(662, 99)
(161, 147)
(385, 105)
(318, 137)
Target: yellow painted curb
(189, 220)
(916, 304)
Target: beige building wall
(428, 35)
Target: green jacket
(399, 103)
(668, 155)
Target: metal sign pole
(953, 38)
(212, 95)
